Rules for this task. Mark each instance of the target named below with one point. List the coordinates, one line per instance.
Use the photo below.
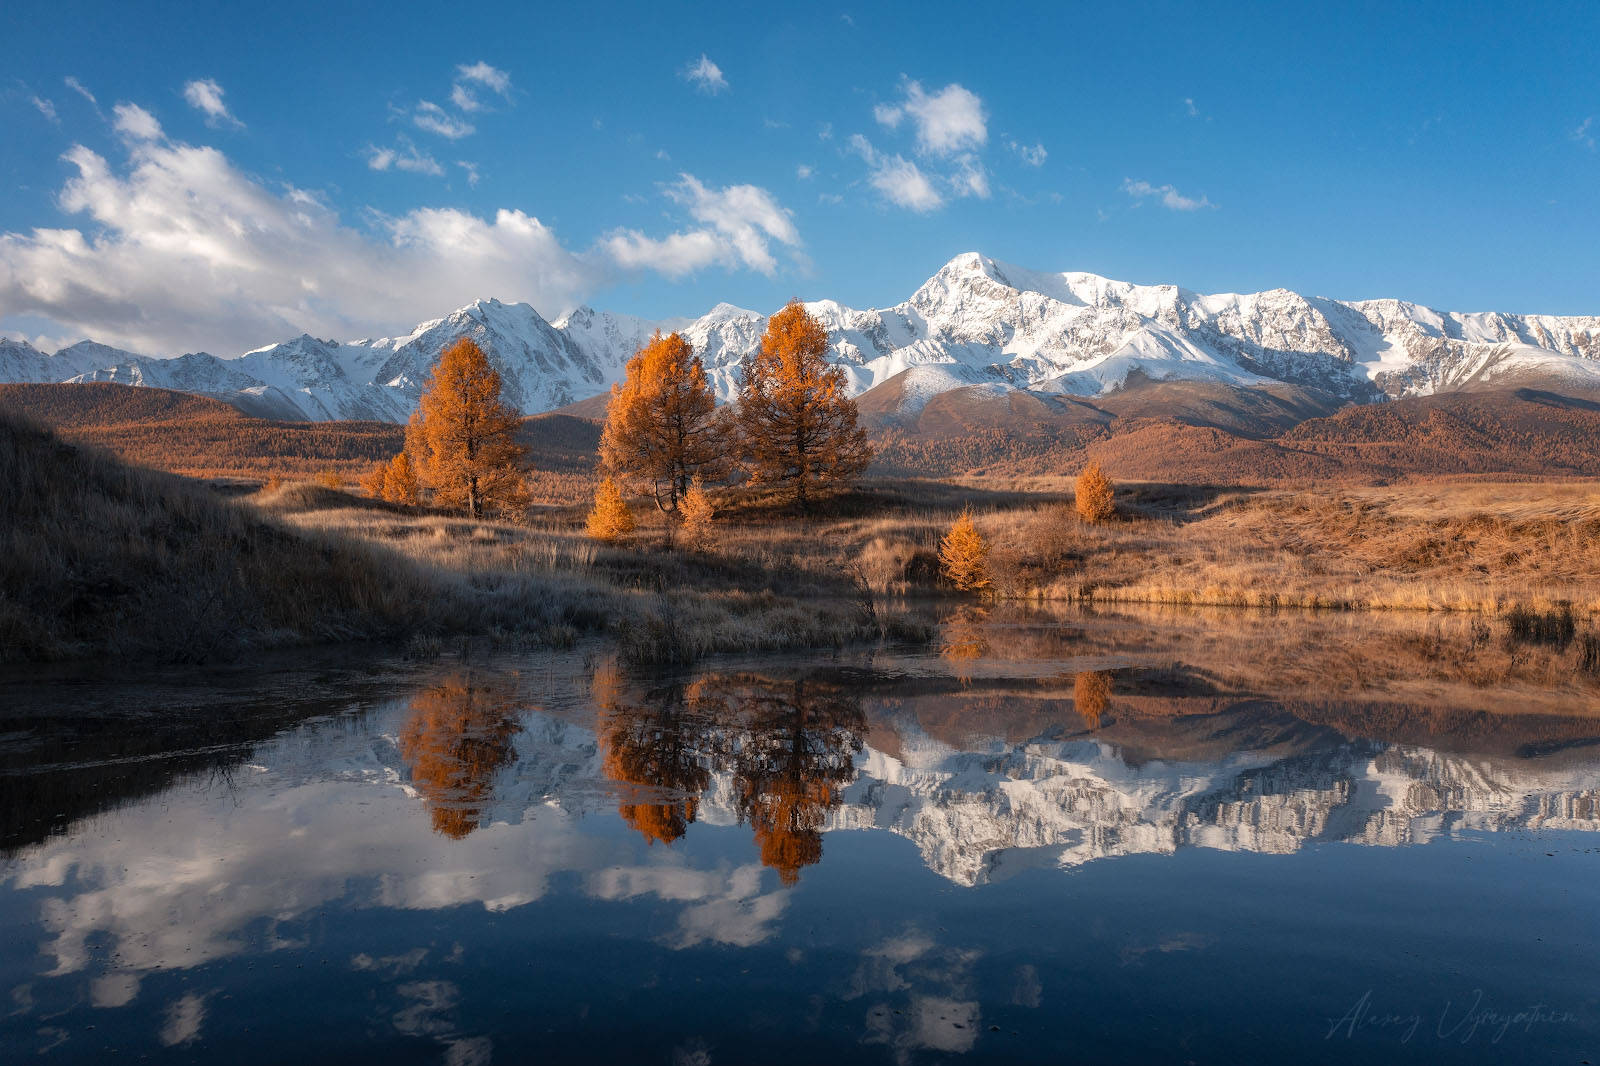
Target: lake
(1071, 837)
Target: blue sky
(223, 178)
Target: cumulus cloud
(804, 172)
(135, 122)
(948, 122)
(1168, 196)
(206, 95)
(46, 108)
(180, 251)
(431, 117)
(738, 225)
(473, 77)
(1033, 156)
(471, 169)
(899, 179)
(1189, 108)
(705, 75)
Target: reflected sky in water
(1094, 840)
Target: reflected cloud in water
(695, 811)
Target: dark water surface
(1095, 839)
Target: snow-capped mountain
(976, 320)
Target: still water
(1080, 839)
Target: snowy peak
(980, 319)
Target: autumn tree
(695, 512)
(797, 426)
(964, 555)
(1093, 494)
(611, 519)
(395, 481)
(400, 481)
(663, 428)
(373, 481)
(462, 437)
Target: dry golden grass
(1469, 546)
(663, 606)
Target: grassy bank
(100, 559)
(1487, 547)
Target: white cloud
(471, 169)
(706, 75)
(470, 76)
(487, 76)
(1033, 156)
(825, 131)
(739, 223)
(431, 117)
(1189, 108)
(206, 95)
(78, 87)
(136, 122)
(900, 180)
(804, 172)
(407, 157)
(181, 251)
(969, 177)
(1583, 134)
(46, 108)
(1169, 196)
(948, 122)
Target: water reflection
(454, 857)
(658, 750)
(1091, 693)
(784, 747)
(794, 747)
(459, 735)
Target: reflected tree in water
(460, 734)
(791, 748)
(1091, 692)
(962, 640)
(652, 744)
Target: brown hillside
(201, 437)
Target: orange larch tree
(462, 437)
(797, 424)
(663, 428)
(1094, 494)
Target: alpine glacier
(976, 319)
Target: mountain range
(976, 322)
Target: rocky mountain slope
(975, 322)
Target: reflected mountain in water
(1046, 781)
